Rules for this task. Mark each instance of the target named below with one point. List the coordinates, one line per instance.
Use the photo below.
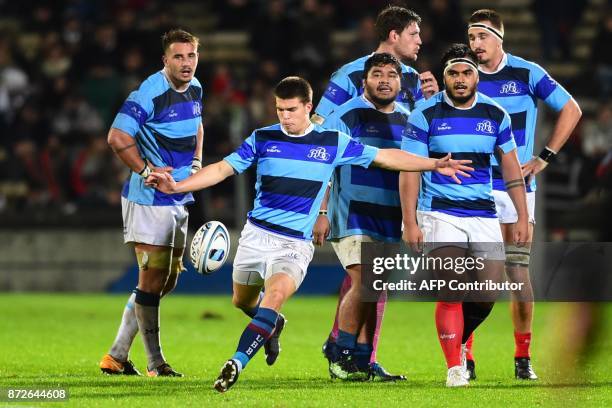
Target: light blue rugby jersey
(436, 128)
(366, 201)
(516, 86)
(346, 83)
(292, 174)
(164, 123)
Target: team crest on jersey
(319, 153)
(197, 109)
(510, 88)
(485, 127)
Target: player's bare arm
(409, 186)
(321, 227)
(125, 148)
(208, 176)
(196, 163)
(515, 186)
(396, 159)
(566, 122)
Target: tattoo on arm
(515, 183)
(120, 149)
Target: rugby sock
(346, 285)
(449, 324)
(522, 341)
(255, 335)
(127, 331)
(380, 312)
(473, 315)
(252, 312)
(346, 342)
(146, 308)
(469, 355)
(362, 354)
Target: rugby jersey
(366, 201)
(473, 133)
(516, 85)
(347, 83)
(292, 174)
(164, 123)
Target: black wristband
(546, 154)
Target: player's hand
(533, 167)
(320, 230)
(429, 85)
(521, 232)
(196, 165)
(161, 181)
(413, 237)
(449, 167)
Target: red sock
(522, 341)
(469, 355)
(346, 285)
(380, 312)
(449, 323)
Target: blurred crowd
(67, 66)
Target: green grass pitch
(49, 341)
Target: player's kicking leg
(279, 287)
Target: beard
(461, 99)
(379, 101)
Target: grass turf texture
(49, 341)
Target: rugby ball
(210, 247)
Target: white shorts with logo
(154, 224)
(505, 207)
(260, 250)
(348, 249)
(482, 236)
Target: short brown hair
(294, 87)
(178, 35)
(488, 15)
(394, 18)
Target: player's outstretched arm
(208, 176)
(515, 186)
(396, 159)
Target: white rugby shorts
(260, 250)
(163, 225)
(482, 236)
(348, 249)
(505, 207)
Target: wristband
(322, 212)
(547, 154)
(144, 173)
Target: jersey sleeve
(136, 110)
(544, 87)
(350, 151)
(335, 122)
(244, 156)
(415, 138)
(339, 90)
(505, 138)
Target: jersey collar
(502, 65)
(309, 129)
